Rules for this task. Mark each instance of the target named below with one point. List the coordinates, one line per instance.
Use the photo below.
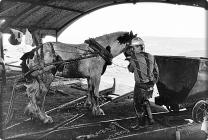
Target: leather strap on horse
(105, 54)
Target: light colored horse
(90, 68)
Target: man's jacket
(144, 67)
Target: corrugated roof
(53, 16)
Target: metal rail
(71, 119)
(159, 114)
(103, 92)
(60, 127)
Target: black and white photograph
(103, 70)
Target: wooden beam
(56, 36)
(61, 29)
(33, 27)
(3, 71)
(10, 8)
(3, 83)
(5, 26)
(48, 5)
(6, 17)
(46, 18)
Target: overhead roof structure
(51, 17)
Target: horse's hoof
(98, 112)
(87, 105)
(30, 112)
(102, 112)
(48, 120)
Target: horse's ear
(131, 33)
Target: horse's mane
(106, 38)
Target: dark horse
(90, 68)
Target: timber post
(3, 70)
(3, 75)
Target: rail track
(111, 129)
(106, 129)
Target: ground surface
(116, 110)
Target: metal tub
(183, 81)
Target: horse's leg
(40, 102)
(31, 109)
(88, 102)
(45, 86)
(96, 110)
(35, 108)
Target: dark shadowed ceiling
(51, 17)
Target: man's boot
(140, 123)
(149, 113)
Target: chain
(113, 128)
(124, 132)
(119, 66)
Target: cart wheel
(199, 111)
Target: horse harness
(58, 62)
(40, 62)
(104, 53)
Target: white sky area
(145, 19)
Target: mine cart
(183, 83)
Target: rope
(140, 62)
(135, 59)
(127, 68)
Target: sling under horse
(90, 68)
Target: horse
(90, 68)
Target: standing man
(146, 74)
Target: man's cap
(137, 41)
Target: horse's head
(118, 41)
(127, 39)
(124, 40)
